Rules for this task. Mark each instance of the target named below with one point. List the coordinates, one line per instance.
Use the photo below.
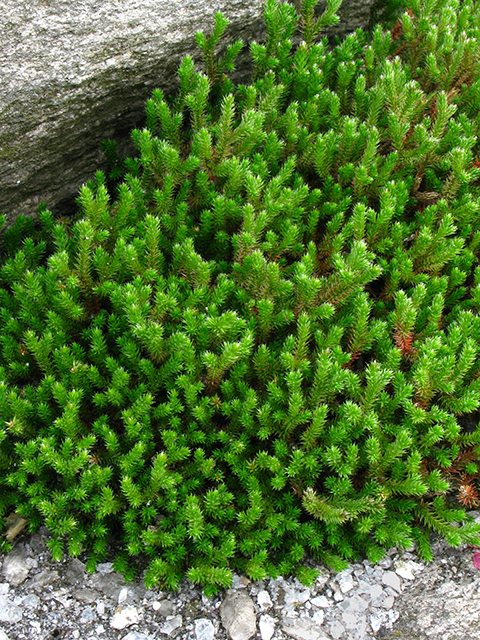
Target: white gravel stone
(88, 615)
(321, 601)
(302, 629)
(264, 600)
(267, 626)
(377, 618)
(346, 584)
(392, 617)
(124, 616)
(204, 629)
(385, 563)
(376, 592)
(337, 594)
(337, 629)
(164, 607)
(318, 617)
(294, 597)
(404, 570)
(323, 577)
(353, 604)
(387, 602)
(3, 635)
(390, 579)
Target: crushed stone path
(400, 598)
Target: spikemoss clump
(264, 345)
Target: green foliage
(265, 343)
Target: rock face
(74, 72)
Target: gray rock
(164, 607)
(377, 594)
(30, 602)
(385, 563)
(387, 602)
(321, 601)
(443, 602)
(172, 626)
(239, 582)
(75, 572)
(337, 629)
(73, 72)
(302, 629)
(354, 604)
(105, 568)
(85, 595)
(61, 596)
(294, 597)
(204, 629)
(127, 594)
(354, 622)
(391, 579)
(110, 584)
(9, 612)
(37, 543)
(377, 619)
(15, 567)
(337, 594)
(238, 615)
(346, 584)
(43, 578)
(88, 615)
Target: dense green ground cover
(258, 341)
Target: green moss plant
(260, 345)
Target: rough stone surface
(62, 600)
(74, 72)
(302, 629)
(123, 617)
(204, 629)
(15, 569)
(444, 604)
(267, 626)
(238, 615)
